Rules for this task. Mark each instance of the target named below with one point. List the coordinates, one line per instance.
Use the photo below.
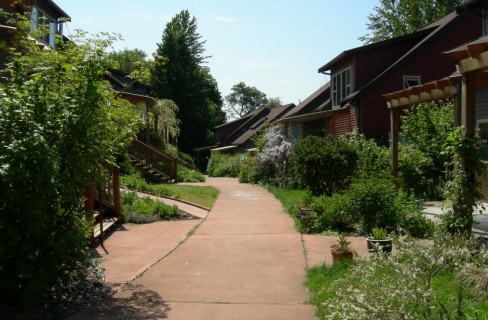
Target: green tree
(164, 120)
(425, 130)
(244, 99)
(58, 119)
(134, 62)
(393, 18)
(178, 74)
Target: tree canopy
(393, 18)
(178, 74)
(134, 62)
(244, 99)
(59, 118)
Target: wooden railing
(108, 189)
(154, 158)
(181, 162)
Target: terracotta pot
(385, 245)
(337, 256)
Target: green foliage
(420, 281)
(244, 99)
(367, 203)
(342, 246)
(132, 62)
(146, 210)
(393, 18)
(422, 160)
(466, 157)
(185, 157)
(379, 233)
(178, 74)
(59, 118)
(189, 175)
(328, 213)
(373, 159)
(224, 165)
(323, 165)
(136, 181)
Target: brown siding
(343, 123)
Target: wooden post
(116, 191)
(468, 102)
(395, 127)
(148, 130)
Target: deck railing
(154, 158)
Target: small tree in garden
(277, 150)
(58, 119)
(425, 130)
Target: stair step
(107, 224)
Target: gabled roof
(273, 115)
(306, 105)
(373, 46)
(429, 32)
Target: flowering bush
(417, 282)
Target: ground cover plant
(185, 174)
(423, 280)
(145, 210)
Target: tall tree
(244, 99)
(178, 74)
(393, 18)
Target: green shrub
(330, 213)
(373, 159)
(137, 182)
(323, 165)
(189, 175)
(185, 157)
(248, 171)
(224, 165)
(146, 210)
(373, 203)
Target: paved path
(245, 261)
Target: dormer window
(40, 18)
(410, 81)
(341, 86)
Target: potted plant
(379, 240)
(342, 249)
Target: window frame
(418, 79)
(341, 85)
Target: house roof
(273, 115)
(433, 30)
(304, 106)
(352, 52)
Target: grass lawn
(204, 196)
(290, 199)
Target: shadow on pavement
(134, 302)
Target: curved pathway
(245, 261)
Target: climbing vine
(463, 188)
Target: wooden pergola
(471, 62)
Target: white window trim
(336, 94)
(407, 78)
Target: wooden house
(360, 76)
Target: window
(38, 19)
(341, 86)
(482, 126)
(410, 81)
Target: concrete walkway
(244, 261)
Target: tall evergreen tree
(393, 18)
(178, 74)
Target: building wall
(343, 123)
(430, 63)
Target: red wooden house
(361, 76)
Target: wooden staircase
(153, 163)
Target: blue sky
(276, 46)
